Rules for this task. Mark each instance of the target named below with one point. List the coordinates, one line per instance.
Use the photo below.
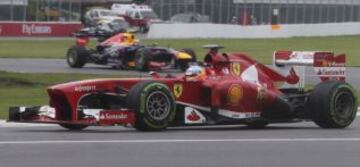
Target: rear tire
(153, 104)
(74, 127)
(333, 104)
(77, 56)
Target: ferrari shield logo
(235, 69)
(178, 89)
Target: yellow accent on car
(131, 63)
(178, 89)
(183, 55)
(235, 94)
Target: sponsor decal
(178, 89)
(47, 111)
(327, 63)
(236, 69)
(261, 94)
(239, 115)
(302, 55)
(85, 88)
(193, 116)
(113, 116)
(31, 29)
(235, 94)
(330, 71)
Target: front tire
(77, 56)
(153, 104)
(333, 104)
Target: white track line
(255, 140)
(3, 123)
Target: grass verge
(261, 49)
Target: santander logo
(31, 29)
(114, 116)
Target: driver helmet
(128, 38)
(195, 73)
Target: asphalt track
(294, 145)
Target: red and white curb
(3, 123)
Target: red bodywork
(237, 86)
(223, 88)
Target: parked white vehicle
(136, 15)
(97, 15)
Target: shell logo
(235, 94)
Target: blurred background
(244, 12)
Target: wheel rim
(158, 105)
(72, 57)
(344, 105)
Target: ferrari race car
(123, 51)
(231, 88)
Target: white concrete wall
(260, 31)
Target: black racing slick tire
(153, 104)
(74, 127)
(333, 104)
(77, 56)
(142, 59)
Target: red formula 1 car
(231, 89)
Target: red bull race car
(123, 51)
(228, 89)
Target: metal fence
(263, 11)
(40, 10)
(219, 11)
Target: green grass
(261, 49)
(30, 89)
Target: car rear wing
(326, 65)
